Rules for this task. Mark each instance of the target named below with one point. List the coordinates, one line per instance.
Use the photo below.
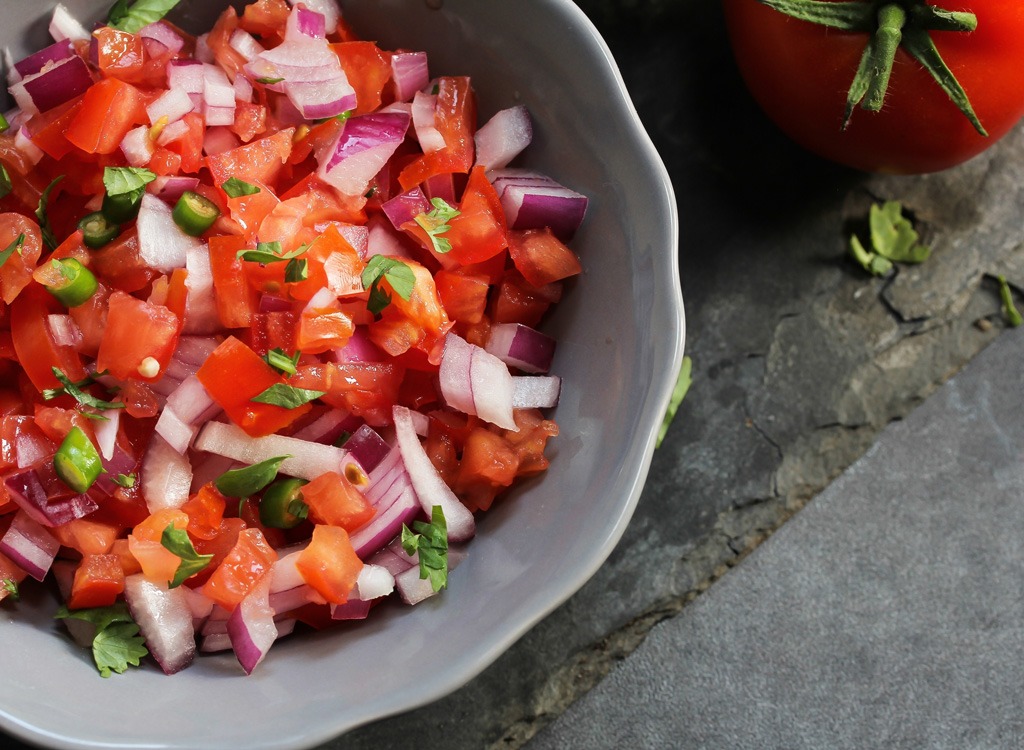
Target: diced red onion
(30, 546)
(382, 239)
(178, 433)
(293, 598)
(243, 89)
(374, 582)
(245, 44)
(30, 444)
(428, 484)
(12, 75)
(34, 63)
(535, 391)
(137, 146)
(187, 75)
(441, 186)
(173, 131)
(190, 355)
(251, 628)
(327, 8)
(359, 348)
(169, 187)
(319, 99)
(476, 382)
(304, 23)
(455, 374)
(364, 145)
(367, 447)
(391, 561)
(37, 491)
(203, 51)
(218, 139)
(409, 73)
(386, 523)
(200, 605)
(206, 467)
(284, 573)
(192, 402)
(64, 330)
(503, 137)
(162, 244)
(353, 609)
(218, 97)
(532, 201)
(166, 476)
(164, 619)
(52, 86)
(65, 26)
(121, 462)
(405, 207)
(326, 429)
(521, 346)
(106, 432)
(200, 304)
(308, 460)
(429, 137)
(24, 144)
(160, 39)
(173, 104)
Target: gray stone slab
(888, 613)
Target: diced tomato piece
(488, 465)
(16, 272)
(176, 299)
(205, 511)
(541, 257)
(329, 564)
(256, 162)
(129, 565)
(219, 41)
(109, 110)
(37, 351)
(99, 580)
(335, 501)
(368, 69)
(331, 262)
(56, 423)
(367, 389)
(242, 570)
(190, 145)
(250, 210)
(322, 329)
(273, 330)
(48, 130)
(455, 118)
(236, 300)
(463, 295)
(266, 18)
(119, 54)
(518, 301)
(219, 546)
(250, 120)
(158, 563)
(234, 374)
(119, 263)
(165, 162)
(136, 331)
(529, 440)
(87, 536)
(419, 322)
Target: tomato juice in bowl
(537, 545)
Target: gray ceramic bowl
(620, 331)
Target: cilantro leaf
(124, 480)
(5, 182)
(287, 396)
(678, 394)
(116, 643)
(126, 180)
(10, 249)
(236, 188)
(270, 252)
(400, 278)
(1010, 312)
(435, 223)
(11, 587)
(177, 541)
(74, 390)
(250, 479)
(281, 362)
(139, 14)
(296, 270)
(269, 81)
(431, 545)
(117, 646)
(44, 220)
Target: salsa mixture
(269, 309)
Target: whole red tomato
(800, 72)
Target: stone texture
(888, 613)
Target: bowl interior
(620, 332)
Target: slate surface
(888, 613)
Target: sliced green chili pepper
(73, 284)
(97, 230)
(194, 214)
(122, 207)
(282, 506)
(77, 462)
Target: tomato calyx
(891, 25)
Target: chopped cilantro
(10, 249)
(126, 180)
(250, 479)
(435, 223)
(44, 221)
(236, 188)
(431, 544)
(398, 275)
(893, 240)
(5, 182)
(133, 17)
(270, 252)
(177, 541)
(124, 480)
(73, 389)
(117, 643)
(287, 396)
(296, 270)
(11, 587)
(281, 362)
(678, 393)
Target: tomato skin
(16, 273)
(800, 74)
(109, 110)
(329, 564)
(241, 570)
(37, 351)
(99, 580)
(135, 331)
(335, 501)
